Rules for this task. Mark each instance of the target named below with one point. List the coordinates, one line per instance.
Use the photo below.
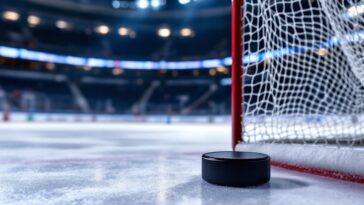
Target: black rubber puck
(236, 168)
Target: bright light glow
(322, 52)
(33, 20)
(9, 52)
(11, 16)
(123, 31)
(184, 1)
(62, 24)
(186, 32)
(222, 69)
(117, 71)
(102, 29)
(164, 32)
(267, 56)
(143, 4)
(356, 10)
(155, 3)
(211, 63)
(116, 4)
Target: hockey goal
(298, 83)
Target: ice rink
(117, 163)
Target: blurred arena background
(115, 60)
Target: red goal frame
(237, 99)
(237, 72)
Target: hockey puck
(236, 168)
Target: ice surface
(138, 164)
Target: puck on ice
(236, 168)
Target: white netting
(304, 71)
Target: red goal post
(237, 72)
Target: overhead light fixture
(142, 4)
(184, 1)
(102, 29)
(116, 4)
(33, 20)
(155, 3)
(164, 32)
(123, 31)
(62, 24)
(11, 15)
(186, 32)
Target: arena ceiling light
(186, 32)
(33, 20)
(11, 15)
(155, 3)
(164, 32)
(102, 29)
(142, 4)
(116, 4)
(184, 1)
(123, 31)
(222, 69)
(61, 24)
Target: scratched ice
(138, 164)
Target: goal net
(302, 83)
